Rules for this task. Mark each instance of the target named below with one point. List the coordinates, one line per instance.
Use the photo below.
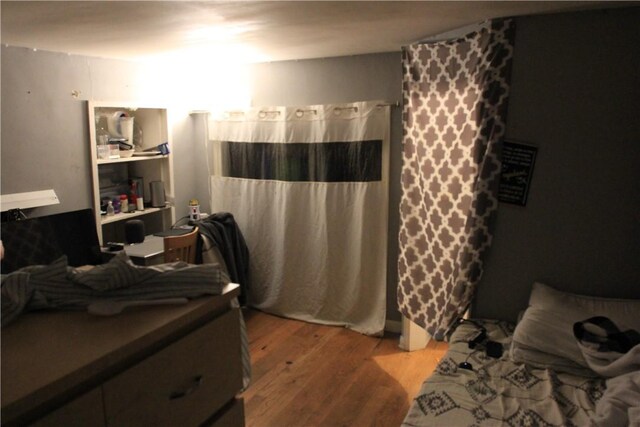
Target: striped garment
(58, 286)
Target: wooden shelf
(129, 215)
(130, 159)
(110, 177)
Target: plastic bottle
(124, 203)
(110, 209)
(133, 196)
(102, 135)
(116, 204)
(194, 210)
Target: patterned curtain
(455, 99)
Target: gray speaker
(157, 194)
(134, 231)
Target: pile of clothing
(59, 286)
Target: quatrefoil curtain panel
(455, 98)
(308, 187)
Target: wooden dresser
(155, 366)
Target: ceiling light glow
(215, 78)
(217, 33)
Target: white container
(126, 129)
(103, 139)
(103, 152)
(120, 125)
(194, 212)
(114, 151)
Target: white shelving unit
(111, 176)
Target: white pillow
(625, 313)
(544, 336)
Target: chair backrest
(181, 248)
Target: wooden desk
(158, 365)
(149, 252)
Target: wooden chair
(181, 248)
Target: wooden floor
(311, 375)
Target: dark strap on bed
(611, 338)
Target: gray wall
(576, 95)
(45, 133)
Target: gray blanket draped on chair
(221, 229)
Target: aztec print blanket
(491, 391)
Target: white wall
(45, 133)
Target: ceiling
(247, 30)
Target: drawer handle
(194, 385)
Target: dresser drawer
(231, 415)
(183, 384)
(85, 411)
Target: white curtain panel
(308, 187)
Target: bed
(537, 372)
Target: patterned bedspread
(499, 391)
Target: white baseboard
(413, 337)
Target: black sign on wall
(517, 169)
